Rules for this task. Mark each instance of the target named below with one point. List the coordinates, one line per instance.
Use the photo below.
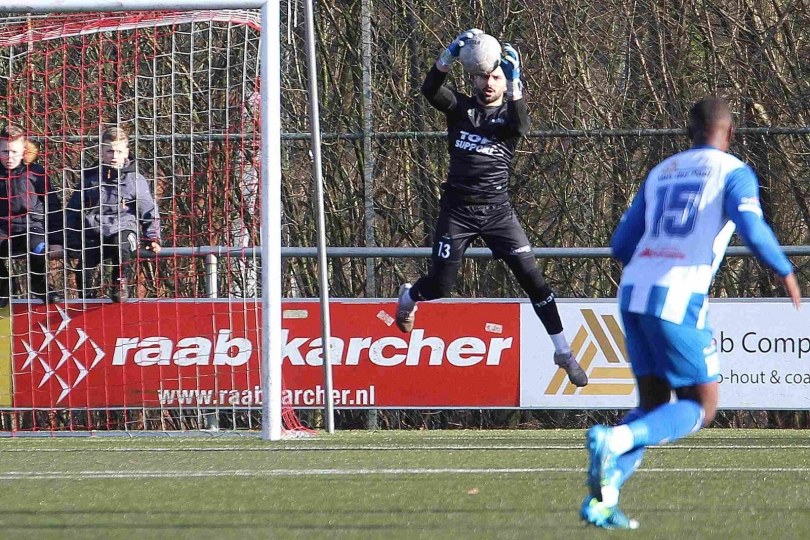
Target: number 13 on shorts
(443, 249)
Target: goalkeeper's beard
(486, 100)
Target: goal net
(180, 350)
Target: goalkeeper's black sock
(546, 310)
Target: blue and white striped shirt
(676, 231)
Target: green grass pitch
(430, 484)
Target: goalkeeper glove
(450, 54)
(510, 64)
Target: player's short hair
(11, 132)
(113, 134)
(707, 114)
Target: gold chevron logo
(613, 379)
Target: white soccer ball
(480, 54)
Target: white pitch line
(81, 475)
(380, 448)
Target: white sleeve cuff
(514, 89)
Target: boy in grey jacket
(106, 217)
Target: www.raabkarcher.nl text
(297, 397)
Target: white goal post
(271, 338)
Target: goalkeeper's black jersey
(481, 141)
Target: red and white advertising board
(461, 354)
(206, 353)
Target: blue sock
(667, 423)
(628, 462)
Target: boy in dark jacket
(106, 217)
(22, 217)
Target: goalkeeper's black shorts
(497, 225)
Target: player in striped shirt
(671, 241)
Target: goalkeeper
(482, 134)
(106, 216)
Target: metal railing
(212, 254)
(420, 252)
